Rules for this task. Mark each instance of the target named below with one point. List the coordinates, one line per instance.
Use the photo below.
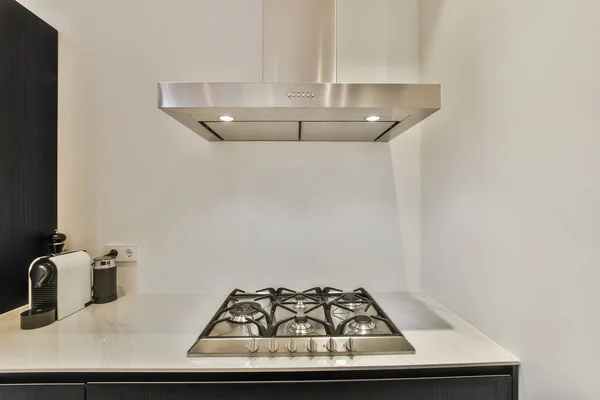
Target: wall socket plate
(127, 252)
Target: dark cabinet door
(42, 392)
(28, 142)
(472, 388)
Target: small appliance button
(331, 345)
(252, 347)
(273, 346)
(291, 346)
(351, 345)
(312, 346)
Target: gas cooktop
(314, 322)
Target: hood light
(373, 118)
(226, 118)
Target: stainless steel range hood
(298, 99)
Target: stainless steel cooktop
(314, 322)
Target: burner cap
(350, 297)
(300, 299)
(300, 326)
(363, 319)
(244, 311)
(362, 324)
(245, 308)
(353, 301)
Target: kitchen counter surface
(152, 333)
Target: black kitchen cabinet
(459, 388)
(42, 392)
(444, 383)
(28, 145)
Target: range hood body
(299, 99)
(326, 107)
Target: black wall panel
(28, 140)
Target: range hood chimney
(298, 98)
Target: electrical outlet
(127, 253)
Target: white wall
(511, 181)
(210, 216)
(378, 41)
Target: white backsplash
(212, 216)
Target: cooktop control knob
(291, 346)
(331, 345)
(252, 346)
(351, 345)
(273, 346)
(312, 346)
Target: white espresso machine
(59, 285)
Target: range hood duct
(299, 98)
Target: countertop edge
(261, 370)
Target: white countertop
(152, 332)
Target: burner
(362, 324)
(352, 301)
(300, 299)
(245, 311)
(299, 326)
